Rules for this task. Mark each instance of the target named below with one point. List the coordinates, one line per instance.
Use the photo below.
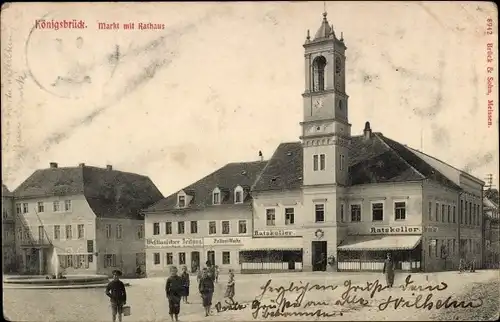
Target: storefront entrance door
(195, 261)
(211, 256)
(318, 252)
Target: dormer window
(238, 194)
(181, 202)
(216, 196)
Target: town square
(246, 161)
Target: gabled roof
(5, 191)
(110, 193)
(226, 178)
(377, 159)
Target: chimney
(367, 132)
(109, 167)
(81, 165)
(53, 165)
(261, 156)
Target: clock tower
(325, 128)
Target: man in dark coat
(117, 295)
(389, 270)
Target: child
(117, 295)
(230, 286)
(174, 291)
(206, 288)
(185, 284)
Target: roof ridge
(265, 167)
(446, 163)
(381, 138)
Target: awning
(273, 244)
(380, 243)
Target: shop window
(377, 211)
(225, 227)
(400, 210)
(319, 213)
(156, 228)
(212, 228)
(168, 228)
(270, 217)
(182, 258)
(355, 213)
(180, 227)
(289, 216)
(194, 227)
(170, 258)
(156, 258)
(242, 226)
(226, 258)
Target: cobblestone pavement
(147, 299)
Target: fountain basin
(69, 282)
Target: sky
(223, 81)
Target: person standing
(185, 284)
(389, 270)
(206, 288)
(174, 291)
(117, 295)
(230, 286)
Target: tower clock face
(338, 65)
(317, 104)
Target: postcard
(250, 161)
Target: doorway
(318, 255)
(211, 257)
(195, 261)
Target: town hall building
(337, 201)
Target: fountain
(54, 264)
(56, 279)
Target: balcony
(35, 242)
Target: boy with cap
(117, 295)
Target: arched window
(319, 64)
